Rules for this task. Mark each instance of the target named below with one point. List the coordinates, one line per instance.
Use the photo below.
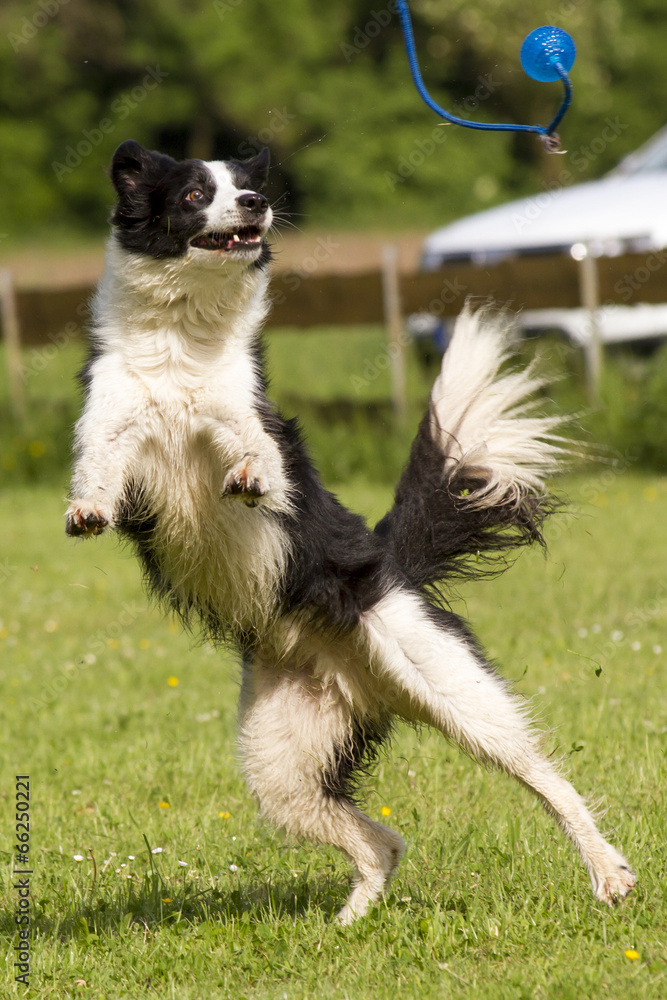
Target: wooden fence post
(12, 337)
(589, 285)
(394, 322)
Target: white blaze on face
(224, 214)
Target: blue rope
(547, 133)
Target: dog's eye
(194, 195)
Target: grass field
(126, 728)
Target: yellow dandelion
(166, 900)
(224, 815)
(631, 954)
(164, 804)
(36, 449)
(650, 493)
(386, 811)
(172, 682)
(113, 643)
(144, 643)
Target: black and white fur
(179, 450)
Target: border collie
(339, 627)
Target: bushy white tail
(475, 483)
(485, 420)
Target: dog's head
(211, 212)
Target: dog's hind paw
(245, 483)
(85, 518)
(616, 885)
(347, 916)
(613, 879)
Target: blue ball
(543, 48)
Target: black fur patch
(137, 522)
(265, 257)
(437, 534)
(85, 376)
(338, 568)
(354, 758)
(252, 174)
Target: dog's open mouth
(246, 238)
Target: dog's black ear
(135, 173)
(257, 168)
(127, 165)
(132, 164)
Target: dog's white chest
(214, 552)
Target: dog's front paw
(85, 518)
(246, 483)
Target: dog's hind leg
(432, 672)
(300, 743)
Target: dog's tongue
(228, 242)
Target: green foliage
(38, 448)
(647, 417)
(326, 86)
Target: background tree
(326, 86)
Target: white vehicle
(624, 212)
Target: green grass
(490, 901)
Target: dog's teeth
(235, 237)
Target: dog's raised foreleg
(106, 441)
(299, 741)
(255, 473)
(431, 670)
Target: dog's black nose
(255, 203)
